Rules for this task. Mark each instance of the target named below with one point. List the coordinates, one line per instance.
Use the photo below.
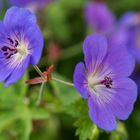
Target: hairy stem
(63, 82)
(38, 71)
(40, 94)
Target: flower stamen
(107, 82)
(8, 52)
(14, 47)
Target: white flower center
(106, 81)
(19, 57)
(22, 49)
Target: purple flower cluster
(21, 44)
(104, 78)
(124, 32)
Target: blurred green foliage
(16, 114)
(63, 114)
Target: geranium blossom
(99, 18)
(103, 80)
(21, 44)
(130, 27)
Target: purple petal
(117, 37)
(101, 114)
(99, 17)
(80, 80)
(35, 39)
(120, 61)
(17, 72)
(108, 104)
(3, 33)
(128, 19)
(95, 49)
(22, 18)
(4, 70)
(125, 95)
(130, 23)
(24, 26)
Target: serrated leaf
(77, 108)
(86, 129)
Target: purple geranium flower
(103, 80)
(21, 44)
(98, 17)
(130, 27)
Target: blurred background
(63, 115)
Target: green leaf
(21, 128)
(6, 118)
(120, 133)
(95, 133)
(21, 87)
(73, 3)
(24, 125)
(49, 129)
(77, 108)
(86, 129)
(57, 22)
(38, 113)
(26, 129)
(122, 6)
(14, 91)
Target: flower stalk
(45, 79)
(63, 82)
(40, 94)
(39, 71)
(52, 77)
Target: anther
(107, 82)
(8, 52)
(4, 48)
(16, 43)
(10, 40)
